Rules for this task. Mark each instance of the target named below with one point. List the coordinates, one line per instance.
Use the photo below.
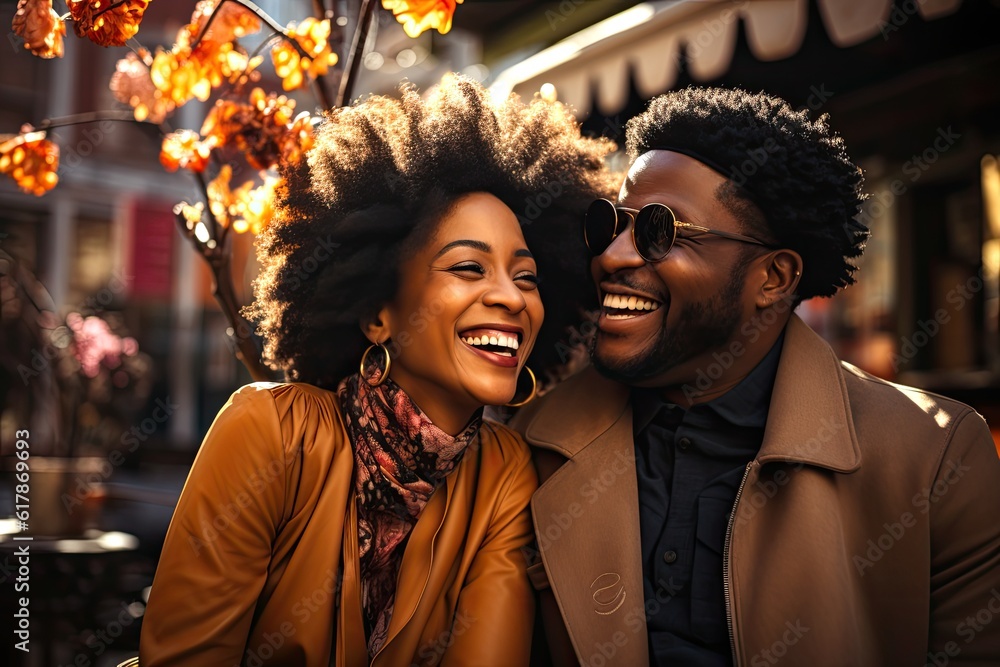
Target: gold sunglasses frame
(634, 213)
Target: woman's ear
(377, 329)
(783, 269)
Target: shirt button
(683, 444)
(670, 556)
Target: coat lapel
(587, 522)
(809, 420)
(587, 516)
(418, 558)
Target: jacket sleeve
(965, 549)
(496, 608)
(218, 547)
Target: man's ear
(782, 270)
(377, 329)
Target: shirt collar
(747, 403)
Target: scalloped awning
(648, 37)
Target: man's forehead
(659, 171)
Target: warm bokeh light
(132, 85)
(295, 70)
(185, 149)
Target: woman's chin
(495, 397)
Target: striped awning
(648, 39)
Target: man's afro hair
(795, 170)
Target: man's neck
(706, 388)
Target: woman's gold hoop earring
(385, 371)
(531, 396)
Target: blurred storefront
(910, 85)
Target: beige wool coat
(866, 531)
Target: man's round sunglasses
(654, 229)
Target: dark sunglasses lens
(599, 225)
(654, 231)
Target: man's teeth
(510, 342)
(620, 302)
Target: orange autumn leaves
(295, 69)
(205, 57)
(265, 131)
(40, 27)
(245, 209)
(420, 15)
(107, 22)
(104, 22)
(31, 160)
(262, 128)
(114, 22)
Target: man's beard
(702, 326)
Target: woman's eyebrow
(475, 245)
(524, 252)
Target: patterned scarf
(400, 458)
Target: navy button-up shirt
(689, 465)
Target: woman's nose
(504, 292)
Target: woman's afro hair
(795, 170)
(369, 192)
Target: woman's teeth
(627, 303)
(502, 345)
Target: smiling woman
(479, 270)
(370, 515)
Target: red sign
(152, 230)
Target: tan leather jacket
(866, 531)
(249, 570)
